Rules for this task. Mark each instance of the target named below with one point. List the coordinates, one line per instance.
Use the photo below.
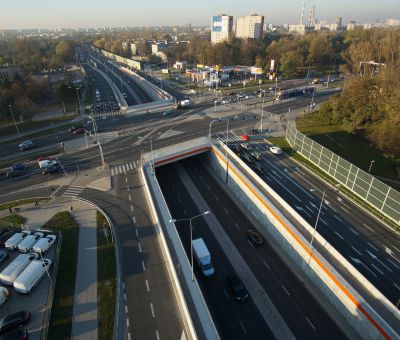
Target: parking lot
(36, 302)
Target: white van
(44, 244)
(28, 242)
(47, 162)
(3, 295)
(13, 241)
(10, 273)
(31, 276)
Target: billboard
(217, 23)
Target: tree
(64, 50)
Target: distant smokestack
(311, 19)
(302, 13)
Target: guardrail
(379, 195)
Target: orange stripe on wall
(308, 251)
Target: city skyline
(73, 14)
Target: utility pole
(12, 115)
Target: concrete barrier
(360, 317)
(162, 219)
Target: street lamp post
(209, 129)
(370, 165)
(312, 99)
(315, 226)
(226, 150)
(262, 112)
(191, 234)
(12, 115)
(97, 139)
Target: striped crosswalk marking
(122, 168)
(73, 191)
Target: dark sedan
(255, 238)
(237, 288)
(13, 320)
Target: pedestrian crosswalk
(235, 138)
(123, 168)
(108, 114)
(73, 191)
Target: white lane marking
(339, 235)
(185, 212)
(241, 324)
(376, 269)
(129, 336)
(346, 210)
(127, 187)
(147, 286)
(201, 177)
(127, 322)
(124, 296)
(112, 172)
(152, 310)
(394, 264)
(301, 209)
(377, 259)
(389, 251)
(179, 201)
(308, 320)
(226, 211)
(285, 188)
(126, 309)
(266, 264)
(250, 243)
(137, 233)
(216, 197)
(130, 198)
(395, 248)
(275, 173)
(372, 246)
(337, 217)
(140, 248)
(157, 335)
(132, 207)
(284, 288)
(126, 179)
(134, 219)
(226, 294)
(323, 221)
(143, 266)
(356, 250)
(355, 232)
(208, 187)
(237, 226)
(368, 227)
(396, 286)
(309, 209)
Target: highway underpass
(302, 313)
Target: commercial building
(221, 28)
(250, 27)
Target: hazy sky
(99, 13)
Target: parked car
(254, 237)
(237, 287)
(4, 236)
(28, 242)
(78, 131)
(19, 167)
(245, 137)
(51, 169)
(4, 294)
(275, 150)
(13, 320)
(17, 173)
(13, 241)
(3, 256)
(15, 334)
(27, 145)
(44, 244)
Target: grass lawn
(350, 146)
(63, 301)
(22, 202)
(106, 284)
(14, 219)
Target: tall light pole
(12, 115)
(77, 95)
(226, 150)
(370, 165)
(262, 112)
(209, 129)
(315, 226)
(312, 99)
(308, 70)
(191, 234)
(98, 139)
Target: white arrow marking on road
(376, 258)
(359, 262)
(313, 205)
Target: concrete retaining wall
(338, 293)
(172, 242)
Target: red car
(78, 131)
(245, 137)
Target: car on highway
(20, 167)
(245, 146)
(47, 162)
(275, 150)
(257, 155)
(15, 334)
(254, 237)
(235, 149)
(51, 169)
(14, 174)
(167, 113)
(13, 320)
(259, 169)
(124, 95)
(78, 131)
(27, 145)
(245, 137)
(248, 158)
(237, 288)
(76, 127)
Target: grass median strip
(106, 278)
(14, 204)
(13, 219)
(63, 302)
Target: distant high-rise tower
(221, 27)
(338, 22)
(302, 13)
(311, 19)
(250, 27)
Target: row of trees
(370, 102)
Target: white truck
(31, 275)
(202, 256)
(10, 273)
(13, 241)
(28, 242)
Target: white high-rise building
(250, 27)
(221, 28)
